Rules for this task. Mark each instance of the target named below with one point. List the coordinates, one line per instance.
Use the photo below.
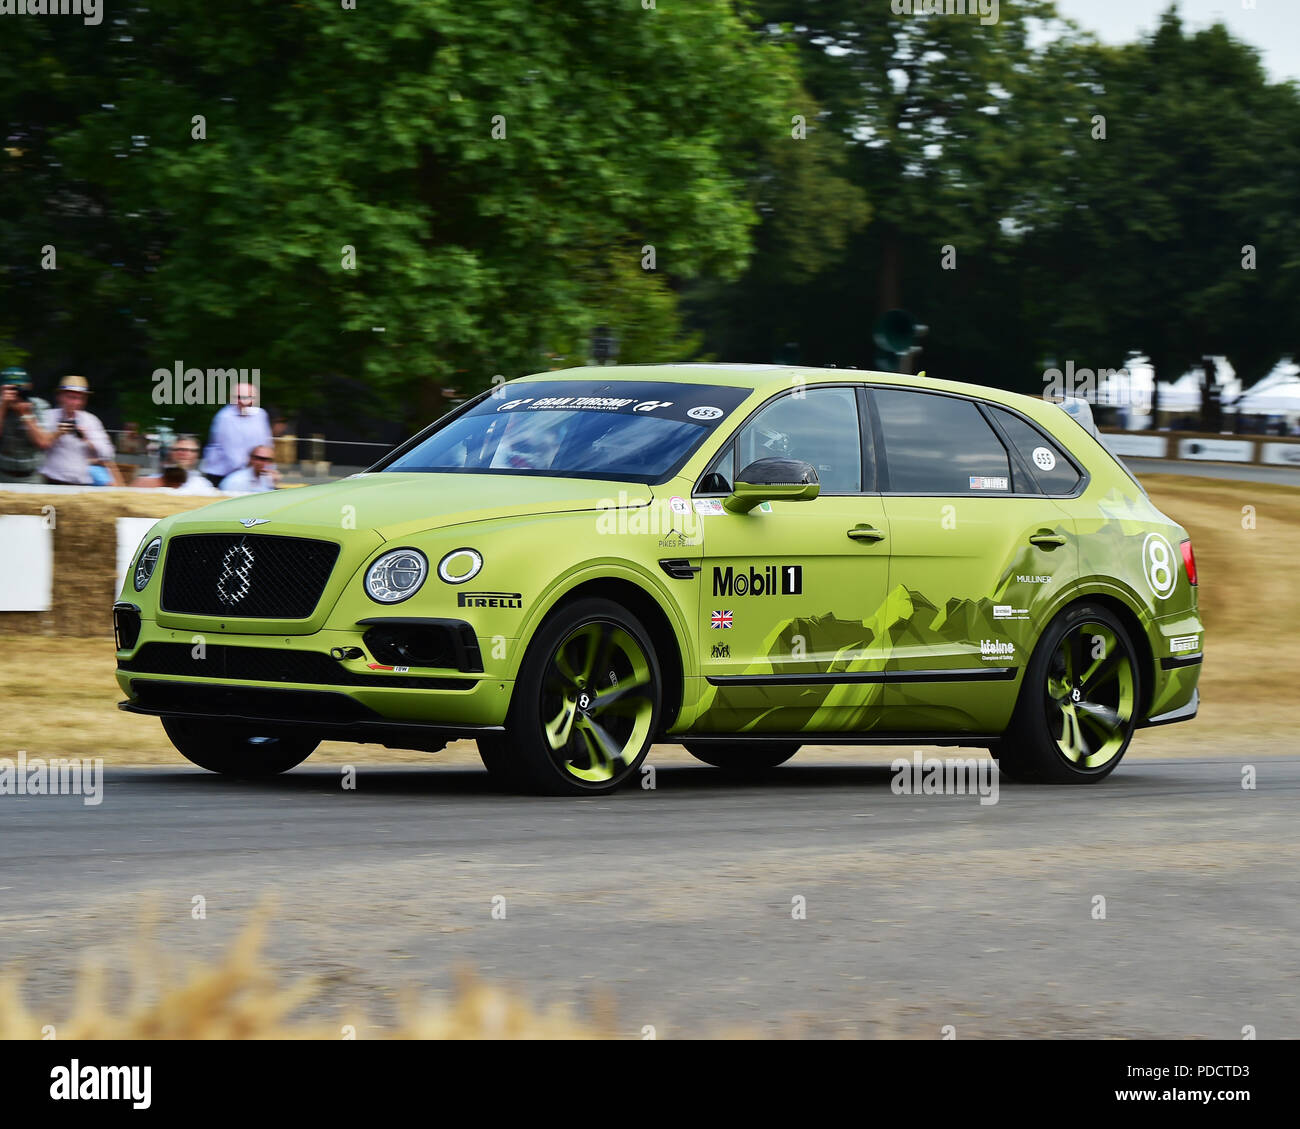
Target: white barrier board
(26, 563)
(1217, 450)
(1281, 454)
(1136, 446)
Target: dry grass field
(60, 697)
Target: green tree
(65, 279)
(939, 122)
(486, 162)
(1200, 161)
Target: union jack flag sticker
(720, 620)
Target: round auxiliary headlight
(460, 565)
(396, 576)
(147, 562)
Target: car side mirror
(772, 480)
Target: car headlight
(460, 565)
(146, 563)
(396, 576)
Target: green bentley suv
(738, 558)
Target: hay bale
(85, 554)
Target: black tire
(237, 750)
(586, 705)
(494, 752)
(1006, 768)
(1079, 701)
(742, 756)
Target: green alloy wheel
(237, 750)
(1079, 702)
(587, 706)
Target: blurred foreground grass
(240, 997)
(59, 695)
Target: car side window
(817, 425)
(717, 479)
(939, 445)
(1046, 461)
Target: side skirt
(970, 740)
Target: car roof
(773, 378)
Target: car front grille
(246, 577)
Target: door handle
(865, 533)
(1047, 541)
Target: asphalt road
(1241, 472)
(676, 904)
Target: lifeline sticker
(708, 506)
(980, 483)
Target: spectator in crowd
(180, 470)
(131, 442)
(77, 450)
(259, 475)
(236, 429)
(21, 446)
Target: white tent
(1280, 399)
(1132, 386)
(1277, 394)
(1184, 394)
(1129, 389)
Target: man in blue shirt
(236, 429)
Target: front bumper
(332, 716)
(295, 682)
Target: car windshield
(639, 431)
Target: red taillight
(1189, 561)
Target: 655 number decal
(1158, 559)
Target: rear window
(939, 445)
(1053, 472)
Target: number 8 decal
(1158, 558)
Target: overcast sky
(1273, 25)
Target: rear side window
(1046, 461)
(939, 445)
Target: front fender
(617, 569)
